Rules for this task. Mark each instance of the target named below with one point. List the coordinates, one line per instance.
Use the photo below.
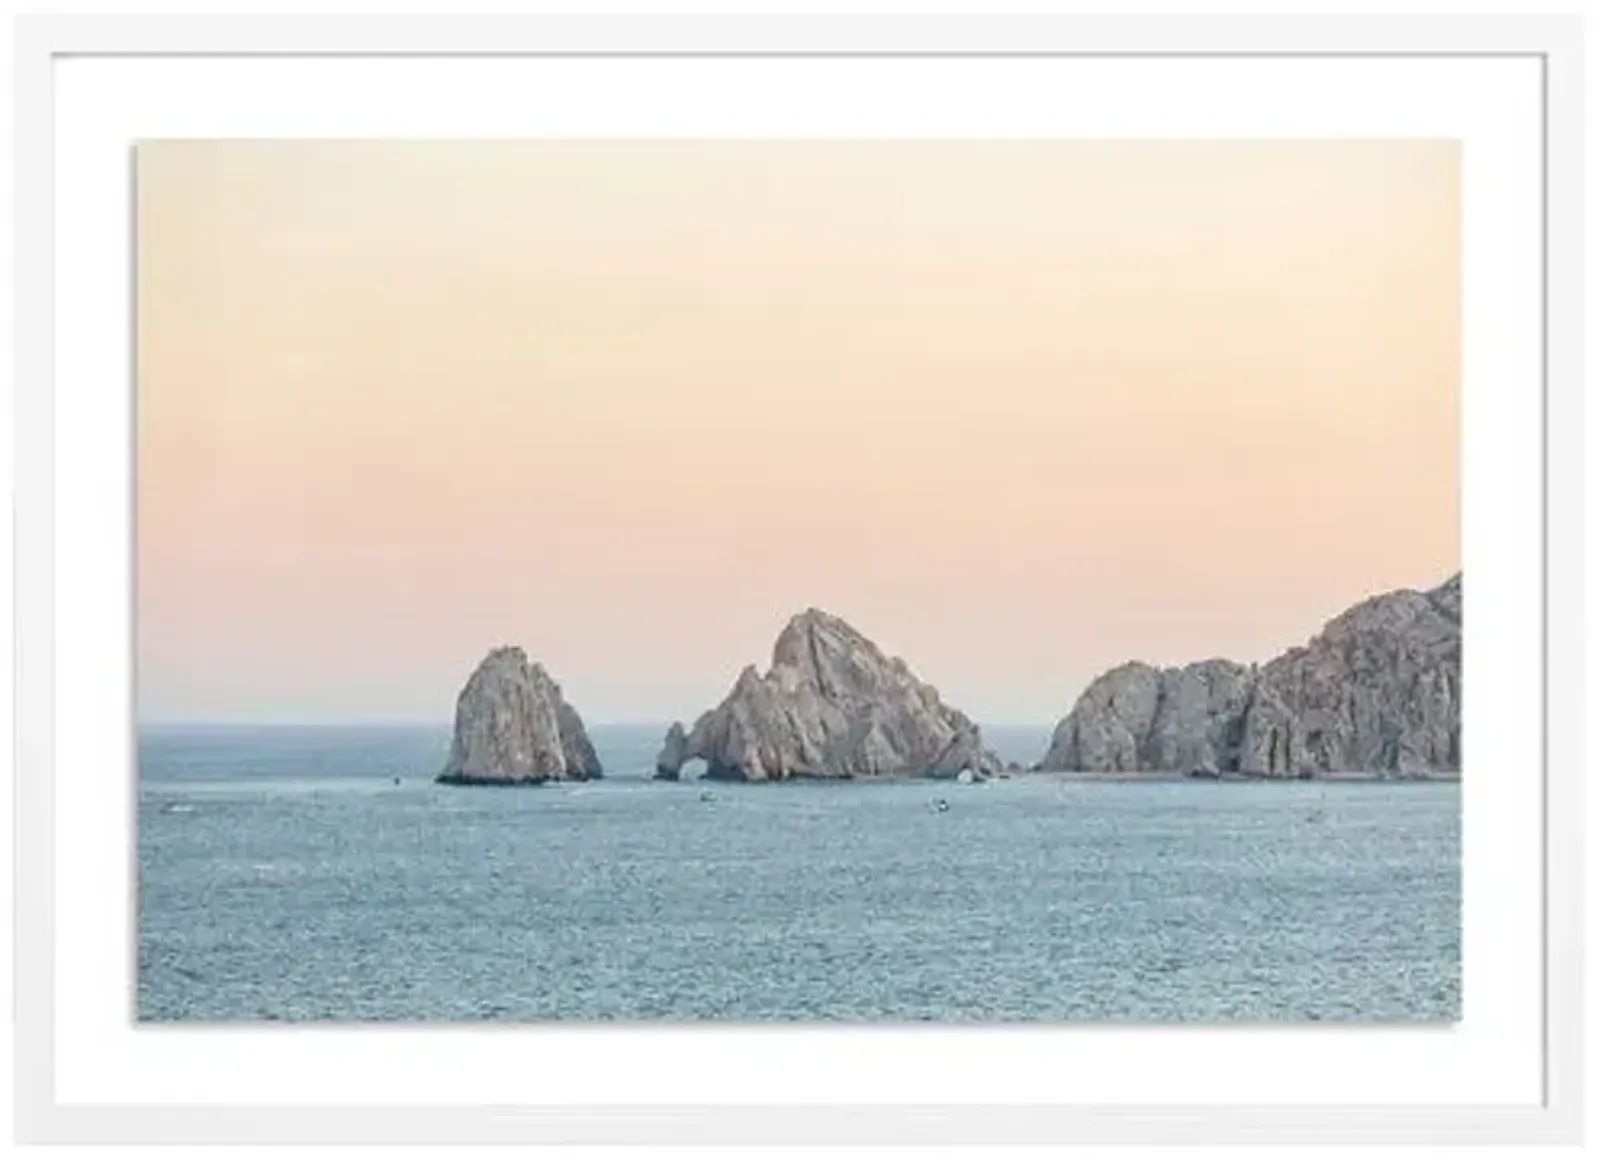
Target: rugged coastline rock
(513, 727)
(1377, 692)
(832, 706)
(1137, 717)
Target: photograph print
(725, 581)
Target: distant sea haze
(201, 750)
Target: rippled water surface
(284, 874)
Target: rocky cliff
(1137, 718)
(831, 706)
(514, 727)
(1377, 692)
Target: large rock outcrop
(1137, 717)
(1377, 692)
(514, 727)
(832, 706)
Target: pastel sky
(1019, 411)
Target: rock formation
(513, 727)
(832, 706)
(1377, 692)
(1137, 718)
(674, 753)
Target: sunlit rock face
(513, 727)
(831, 706)
(1377, 692)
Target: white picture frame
(45, 1109)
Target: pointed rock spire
(513, 727)
(832, 705)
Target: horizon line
(378, 721)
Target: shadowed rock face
(832, 706)
(674, 753)
(513, 727)
(1377, 692)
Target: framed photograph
(1017, 578)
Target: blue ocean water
(284, 874)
